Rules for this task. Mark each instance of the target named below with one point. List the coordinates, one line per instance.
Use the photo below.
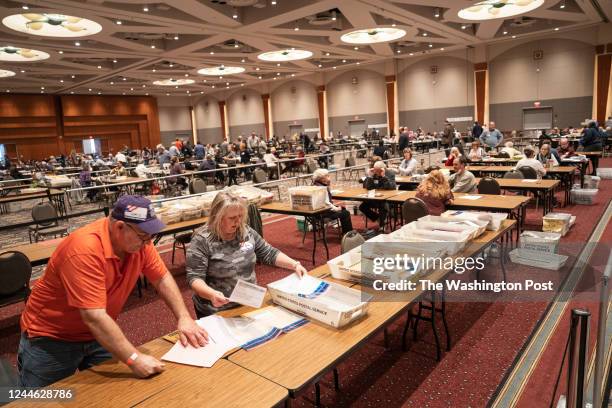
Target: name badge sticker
(246, 247)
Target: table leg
(313, 221)
(321, 219)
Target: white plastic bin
(591, 182)
(605, 172)
(547, 242)
(309, 198)
(584, 196)
(557, 222)
(537, 259)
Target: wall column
(481, 90)
(322, 106)
(224, 125)
(392, 108)
(194, 125)
(601, 93)
(265, 99)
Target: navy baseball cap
(137, 210)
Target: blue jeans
(42, 360)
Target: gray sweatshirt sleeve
(265, 252)
(196, 264)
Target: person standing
(404, 141)
(69, 321)
(491, 137)
(199, 151)
(476, 131)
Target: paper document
(205, 356)
(529, 180)
(336, 191)
(471, 197)
(277, 316)
(248, 294)
(305, 285)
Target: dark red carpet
(486, 336)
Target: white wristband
(130, 361)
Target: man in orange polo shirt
(69, 320)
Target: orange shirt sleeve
(153, 267)
(84, 279)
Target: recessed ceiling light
(320, 65)
(72, 76)
(124, 78)
(78, 44)
(153, 70)
(235, 13)
(112, 83)
(61, 81)
(42, 91)
(25, 7)
(285, 55)
(492, 9)
(118, 22)
(131, 89)
(441, 49)
(187, 91)
(145, 9)
(437, 13)
(60, 52)
(411, 54)
(201, 92)
(213, 86)
(373, 35)
(343, 60)
(257, 69)
(505, 32)
(274, 78)
(463, 26)
(227, 83)
(23, 71)
(327, 54)
(186, 75)
(278, 65)
(144, 86)
(424, 34)
(243, 60)
(393, 24)
(8, 90)
(42, 87)
(221, 70)
(71, 92)
(212, 53)
(114, 61)
(514, 36)
(167, 94)
(556, 28)
(273, 2)
(152, 45)
(399, 51)
(334, 67)
(259, 77)
(51, 25)
(123, 93)
(562, 4)
(355, 48)
(278, 74)
(358, 62)
(99, 66)
(171, 65)
(175, 82)
(99, 93)
(89, 89)
(147, 94)
(15, 54)
(430, 45)
(5, 73)
(176, 37)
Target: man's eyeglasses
(143, 237)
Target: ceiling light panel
(173, 82)
(15, 54)
(285, 55)
(492, 9)
(373, 35)
(52, 25)
(222, 70)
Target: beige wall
(566, 71)
(419, 89)
(346, 99)
(207, 113)
(244, 108)
(294, 100)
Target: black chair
(47, 223)
(181, 241)
(503, 155)
(514, 174)
(260, 176)
(528, 172)
(489, 185)
(413, 209)
(196, 186)
(15, 274)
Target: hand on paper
(300, 270)
(218, 299)
(145, 366)
(191, 333)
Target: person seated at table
(296, 163)
(380, 150)
(565, 149)
(509, 148)
(591, 141)
(380, 179)
(546, 156)
(462, 180)
(530, 161)
(69, 321)
(85, 181)
(271, 162)
(119, 170)
(476, 152)
(435, 192)
(409, 164)
(454, 154)
(141, 170)
(323, 150)
(224, 251)
(321, 178)
(176, 169)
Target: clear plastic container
(591, 182)
(556, 222)
(584, 196)
(605, 173)
(547, 242)
(308, 198)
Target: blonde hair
(223, 202)
(434, 185)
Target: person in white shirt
(271, 162)
(120, 157)
(476, 152)
(408, 164)
(530, 161)
(174, 151)
(140, 170)
(546, 157)
(509, 148)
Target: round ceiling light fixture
(285, 55)
(373, 35)
(492, 9)
(51, 25)
(5, 73)
(221, 70)
(15, 54)
(173, 82)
